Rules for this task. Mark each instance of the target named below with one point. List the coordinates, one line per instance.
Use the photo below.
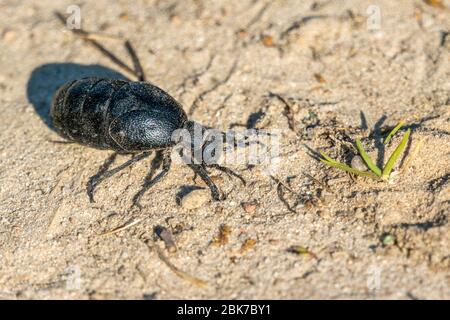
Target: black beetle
(127, 117)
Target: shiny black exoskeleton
(127, 117)
(123, 116)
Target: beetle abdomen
(83, 111)
(79, 108)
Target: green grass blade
(326, 157)
(393, 158)
(367, 159)
(394, 131)
(344, 167)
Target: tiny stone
(242, 34)
(249, 207)
(124, 16)
(358, 163)
(176, 20)
(8, 35)
(167, 237)
(388, 240)
(195, 199)
(268, 41)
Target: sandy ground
(340, 74)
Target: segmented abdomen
(80, 111)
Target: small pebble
(176, 20)
(267, 41)
(249, 207)
(388, 240)
(435, 3)
(124, 16)
(195, 199)
(358, 163)
(319, 78)
(165, 235)
(242, 34)
(8, 35)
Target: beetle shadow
(46, 79)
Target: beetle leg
(201, 171)
(148, 181)
(136, 63)
(156, 163)
(228, 171)
(103, 172)
(86, 36)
